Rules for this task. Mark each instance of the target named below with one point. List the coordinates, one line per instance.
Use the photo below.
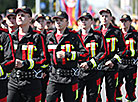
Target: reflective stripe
(68, 47)
(31, 63)
(30, 51)
(93, 49)
(1, 48)
(113, 43)
(88, 44)
(132, 47)
(77, 92)
(35, 49)
(1, 71)
(99, 88)
(116, 81)
(92, 46)
(44, 66)
(15, 46)
(118, 58)
(24, 47)
(52, 46)
(62, 46)
(136, 81)
(119, 98)
(108, 39)
(73, 57)
(93, 62)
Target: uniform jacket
(131, 40)
(95, 44)
(115, 44)
(7, 58)
(31, 49)
(74, 51)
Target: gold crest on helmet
(10, 10)
(23, 7)
(39, 15)
(59, 13)
(47, 17)
(124, 16)
(84, 14)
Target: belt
(65, 72)
(129, 61)
(3, 78)
(26, 74)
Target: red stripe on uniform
(82, 43)
(104, 49)
(43, 46)
(63, 59)
(115, 96)
(11, 43)
(124, 42)
(54, 56)
(23, 55)
(116, 75)
(38, 98)
(75, 87)
(134, 75)
(84, 55)
(57, 99)
(3, 99)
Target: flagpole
(37, 6)
(57, 5)
(20, 3)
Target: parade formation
(42, 58)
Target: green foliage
(7, 4)
(46, 10)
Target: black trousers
(69, 92)
(92, 84)
(44, 88)
(28, 90)
(111, 82)
(130, 75)
(3, 89)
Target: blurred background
(75, 7)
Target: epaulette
(50, 31)
(134, 30)
(73, 31)
(5, 30)
(96, 27)
(116, 27)
(97, 31)
(37, 31)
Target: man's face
(40, 23)
(23, 19)
(85, 23)
(61, 23)
(105, 18)
(125, 24)
(48, 25)
(11, 21)
(0, 20)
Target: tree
(7, 4)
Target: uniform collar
(28, 34)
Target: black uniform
(63, 76)
(7, 61)
(115, 48)
(128, 68)
(91, 78)
(25, 84)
